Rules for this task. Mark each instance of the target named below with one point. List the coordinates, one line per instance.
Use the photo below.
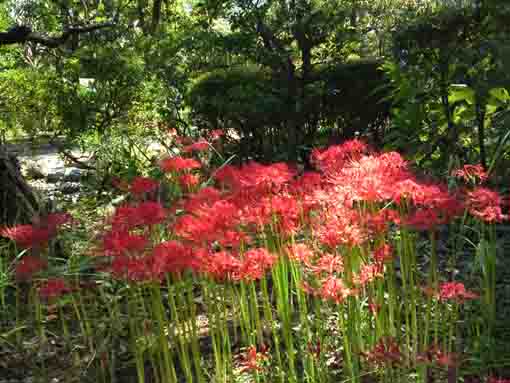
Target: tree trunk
(18, 202)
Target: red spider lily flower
(204, 197)
(485, 204)
(255, 263)
(471, 173)
(216, 134)
(198, 146)
(423, 219)
(182, 140)
(315, 349)
(142, 185)
(386, 351)
(328, 264)
(334, 289)
(494, 379)
(189, 181)
(151, 213)
(28, 266)
(253, 360)
(53, 288)
(55, 220)
(132, 269)
(221, 266)
(374, 307)
(123, 243)
(383, 253)
(455, 291)
(234, 239)
(300, 253)
(335, 157)
(145, 213)
(177, 164)
(28, 236)
(172, 257)
(368, 273)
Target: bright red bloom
(145, 213)
(300, 253)
(53, 288)
(28, 266)
(141, 185)
(336, 157)
(123, 243)
(176, 164)
(216, 134)
(383, 253)
(255, 263)
(28, 236)
(455, 291)
(334, 289)
(423, 219)
(172, 257)
(368, 273)
(220, 266)
(134, 269)
(493, 379)
(328, 264)
(189, 181)
(198, 146)
(253, 359)
(471, 173)
(386, 351)
(485, 204)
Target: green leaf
(461, 92)
(500, 94)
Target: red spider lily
(342, 228)
(423, 219)
(485, 204)
(216, 134)
(145, 213)
(220, 266)
(435, 355)
(204, 197)
(133, 269)
(383, 253)
(374, 307)
(455, 291)
(386, 351)
(233, 239)
(493, 379)
(368, 273)
(55, 220)
(335, 157)
(328, 264)
(141, 185)
(28, 236)
(254, 265)
(253, 360)
(315, 349)
(198, 146)
(28, 266)
(177, 164)
(123, 243)
(300, 253)
(189, 181)
(334, 289)
(172, 257)
(471, 173)
(53, 288)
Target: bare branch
(22, 34)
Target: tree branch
(21, 34)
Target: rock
(70, 188)
(65, 175)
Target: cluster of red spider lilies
(308, 276)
